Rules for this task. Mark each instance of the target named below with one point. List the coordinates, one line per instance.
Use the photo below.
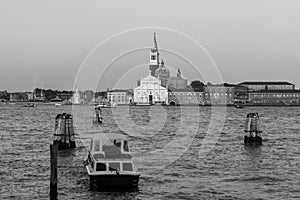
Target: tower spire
(178, 73)
(155, 43)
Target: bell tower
(154, 57)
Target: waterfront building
(39, 95)
(267, 85)
(18, 96)
(65, 95)
(274, 97)
(150, 91)
(185, 96)
(76, 99)
(30, 96)
(120, 96)
(177, 82)
(4, 96)
(222, 94)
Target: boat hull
(253, 140)
(113, 181)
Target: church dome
(162, 72)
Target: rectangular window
(125, 146)
(97, 145)
(101, 167)
(127, 167)
(114, 166)
(152, 57)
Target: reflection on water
(166, 142)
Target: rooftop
(120, 90)
(275, 91)
(265, 83)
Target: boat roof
(108, 136)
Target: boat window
(127, 167)
(114, 166)
(126, 146)
(101, 167)
(97, 145)
(92, 164)
(117, 143)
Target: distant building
(30, 96)
(185, 97)
(150, 91)
(275, 97)
(18, 96)
(39, 95)
(65, 96)
(76, 99)
(241, 94)
(120, 96)
(218, 95)
(177, 82)
(267, 85)
(4, 96)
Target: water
(165, 142)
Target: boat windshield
(101, 167)
(114, 166)
(127, 167)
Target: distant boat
(57, 104)
(29, 105)
(107, 105)
(109, 163)
(142, 104)
(239, 105)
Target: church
(154, 88)
(150, 91)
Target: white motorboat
(109, 163)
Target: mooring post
(72, 133)
(53, 170)
(64, 133)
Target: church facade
(150, 91)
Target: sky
(63, 44)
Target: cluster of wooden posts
(64, 131)
(64, 138)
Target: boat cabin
(110, 154)
(109, 163)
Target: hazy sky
(48, 41)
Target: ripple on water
(216, 169)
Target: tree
(197, 86)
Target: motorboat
(143, 104)
(109, 163)
(239, 105)
(29, 105)
(107, 105)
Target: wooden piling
(53, 170)
(64, 131)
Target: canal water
(181, 152)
